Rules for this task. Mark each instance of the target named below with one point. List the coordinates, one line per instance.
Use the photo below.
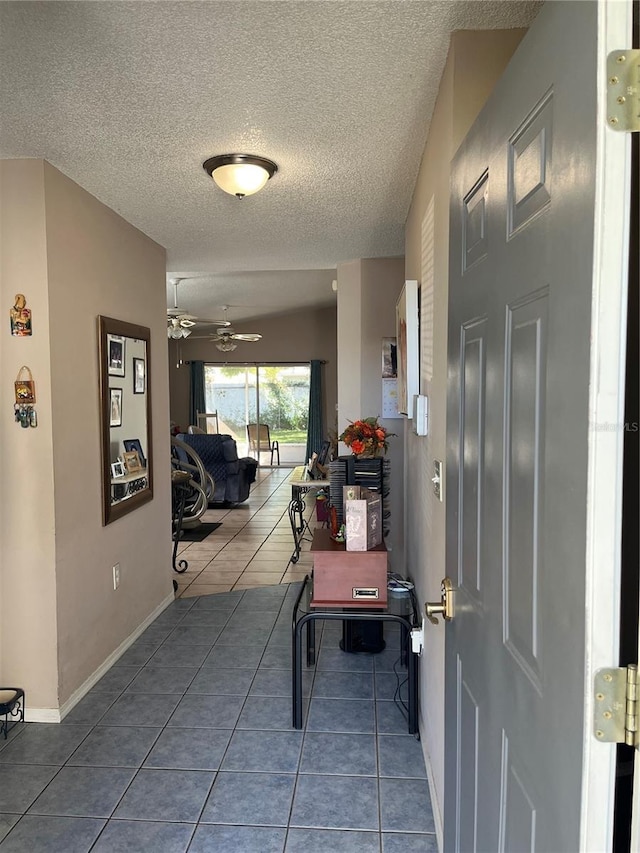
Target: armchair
(219, 454)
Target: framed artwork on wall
(115, 407)
(407, 355)
(139, 378)
(115, 355)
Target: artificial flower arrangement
(366, 437)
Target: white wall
(74, 259)
(367, 294)
(475, 62)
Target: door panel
(523, 202)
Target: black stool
(11, 704)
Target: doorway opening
(273, 395)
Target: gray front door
(524, 192)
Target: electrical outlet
(116, 576)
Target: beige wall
(74, 259)
(367, 294)
(298, 337)
(475, 62)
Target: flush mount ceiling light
(240, 174)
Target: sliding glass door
(273, 395)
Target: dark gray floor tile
(238, 839)
(23, 784)
(213, 619)
(194, 635)
(269, 752)
(233, 656)
(155, 635)
(263, 598)
(404, 842)
(343, 685)
(266, 712)
(386, 660)
(6, 822)
(390, 719)
(336, 802)
(189, 749)
(405, 806)
(277, 682)
(135, 836)
(170, 795)
(137, 654)
(401, 757)
(181, 605)
(245, 635)
(281, 635)
(90, 709)
(203, 711)
(342, 754)
(248, 618)
(278, 657)
(83, 792)
(142, 709)
(172, 654)
(218, 682)
(336, 660)
(332, 841)
(115, 746)
(250, 799)
(44, 743)
(15, 729)
(40, 834)
(388, 685)
(116, 679)
(341, 715)
(163, 679)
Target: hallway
(186, 744)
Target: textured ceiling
(129, 98)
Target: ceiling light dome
(240, 174)
(226, 346)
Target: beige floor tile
(266, 567)
(215, 576)
(230, 562)
(258, 579)
(194, 565)
(291, 577)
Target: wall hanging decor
(20, 317)
(25, 390)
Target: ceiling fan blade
(204, 322)
(186, 322)
(246, 337)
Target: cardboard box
(344, 578)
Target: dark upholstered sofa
(219, 454)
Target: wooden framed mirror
(125, 417)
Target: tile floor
(186, 743)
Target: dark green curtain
(314, 431)
(196, 391)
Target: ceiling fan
(225, 338)
(179, 321)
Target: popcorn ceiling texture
(129, 98)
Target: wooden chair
(259, 439)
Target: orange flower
(357, 446)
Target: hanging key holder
(25, 413)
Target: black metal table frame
(340, 615)
(299, 524)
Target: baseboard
(55, 715)
(435, 803)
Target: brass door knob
(444, 607)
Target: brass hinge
(623, 90)
(615, 717)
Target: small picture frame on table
(132, 462)
(139, 376)
(115, 407)
(117, 469)
(131, 444)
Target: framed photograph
(407, 354)
(139, 376)
(131, 461)
(389, 358)
(115, 407)
(115, 355)
(131, 444)
(117, 469)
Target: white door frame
(606, 431)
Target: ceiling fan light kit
(240, 174)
